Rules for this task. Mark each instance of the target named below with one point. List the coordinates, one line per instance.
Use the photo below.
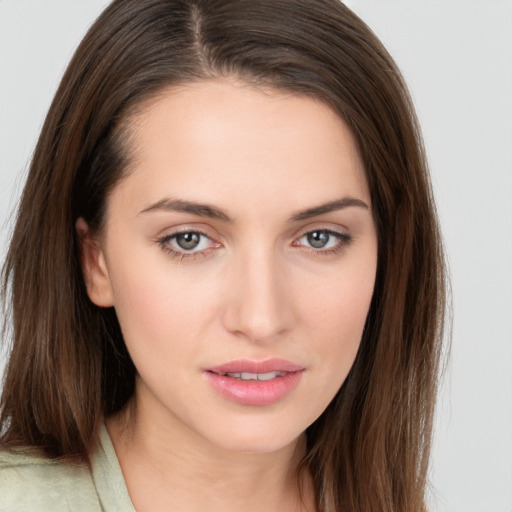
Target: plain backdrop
(457, 58)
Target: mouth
(251, 367)
(253, 376)
(255, 383)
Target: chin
(255, 438)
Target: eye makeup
(189, 244)
(323, 242)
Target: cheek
(335, 321)
(339, 327)
(336, 306)
(157, 305)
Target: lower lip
(255, 392)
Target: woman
(226, 275)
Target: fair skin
(257, 273)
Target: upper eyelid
(171, 232)
(331, 232)
(323, 227)
(174, 234)
(339, 230)
(183, 231)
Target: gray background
(457, 58)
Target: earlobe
(94, 266)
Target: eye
(324, 240)
(187, 243)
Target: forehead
(226, 139)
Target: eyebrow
(179, 205)
(329, 207)
(212, 212)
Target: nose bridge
(258, 307)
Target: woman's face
(240, 254)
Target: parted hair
(69, 367)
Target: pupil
(318, 239)
(188, 241)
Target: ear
(94, 267)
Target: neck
(168, 467)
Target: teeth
(248, 376)
(256, 376)
(268, 376)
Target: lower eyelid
(182, 254)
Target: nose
(259, 305)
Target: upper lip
(250, 366)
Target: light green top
(32, 483)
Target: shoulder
(32, 482)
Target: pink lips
(255, 392)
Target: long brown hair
(69, 367)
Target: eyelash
(165, 240)
(343, 240)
